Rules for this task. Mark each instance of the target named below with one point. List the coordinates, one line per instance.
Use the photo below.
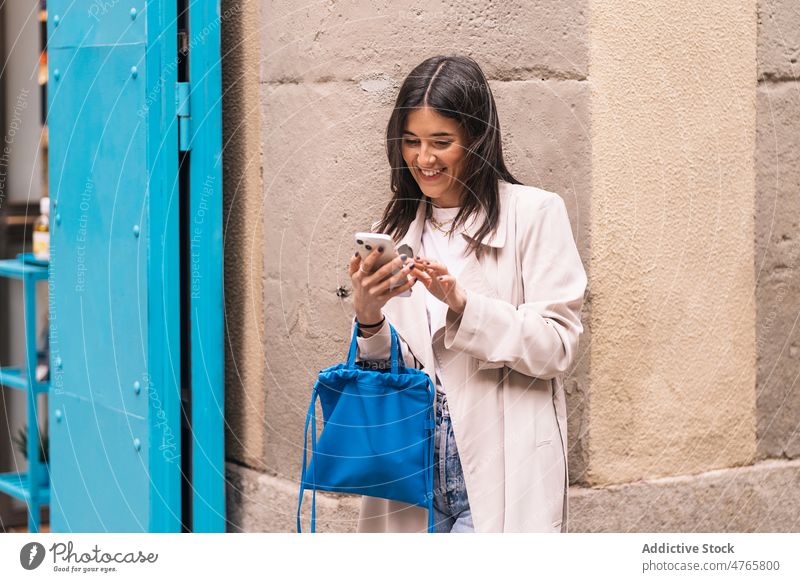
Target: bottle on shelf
(42, 76)
(44, 151)
(41, 232)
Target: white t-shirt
(450, 250)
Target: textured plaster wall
(330, 74)
(777, 257)
(673, 341)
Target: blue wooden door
(121, 381)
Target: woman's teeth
(429, 173)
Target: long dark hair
(455, 87)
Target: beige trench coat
(502, 364)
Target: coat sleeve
(540, 337)
(378, 347)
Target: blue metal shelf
(17, 378)
(13, 378)
(16, 485)
(23, 266)
(29, 271)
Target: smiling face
(433, 149)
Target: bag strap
(311, 418)
(397, 356)
(396, 353)
(351, 355)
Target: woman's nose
(426, 156)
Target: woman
(494, 316)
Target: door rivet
(133, 13)
(136, 230)
(56, 20)
(134, 72)
(58, 415)
(137, 444)
(56, 74)
(58, 219)
(137, 387)
(58, 362)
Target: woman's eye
(415, 142)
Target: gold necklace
(440, 225)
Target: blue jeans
(451, 511)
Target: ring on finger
(361, 268)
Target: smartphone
(366, 241)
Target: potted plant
(21, 442)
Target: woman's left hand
(440, 283)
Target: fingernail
(411, 266)
(380, 249)
(417, 257)
(356, 253)
(403, 257)
(441, 278)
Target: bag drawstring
(429, 461)
(311, 416)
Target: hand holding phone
(366, 242)
(371, 284)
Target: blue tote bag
(377, 434)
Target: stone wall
(777, 256)
(669, 129)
